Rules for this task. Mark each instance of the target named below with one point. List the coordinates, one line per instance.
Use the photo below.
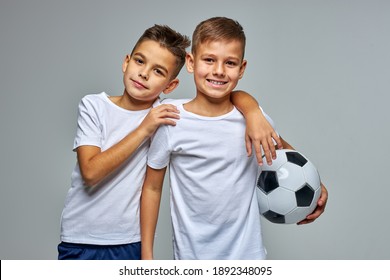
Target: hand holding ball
(288, 190)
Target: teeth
(216, 82)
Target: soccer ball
(288, 190)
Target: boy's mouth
(139, 85)
(217, 83)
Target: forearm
(286, 145)
(259, 132)
(95, 165)
(245, 103)
(150, 205)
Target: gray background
(319, 68)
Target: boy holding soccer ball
(100, 219)
(213, 201)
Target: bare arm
(285, 144)
(259, 132)
(95, 165)
(150, 206)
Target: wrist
(144, 132)
(254, 113)
(146, 255)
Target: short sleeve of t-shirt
(88, 125)
(159, 151)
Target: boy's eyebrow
(235, 58)
(157, 65)
(212, 54)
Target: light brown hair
(218, 28)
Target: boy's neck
(209, 107)
(126, 102)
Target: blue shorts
(73, 251)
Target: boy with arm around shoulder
(213, 201)
(100, 219)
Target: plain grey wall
(319, 68)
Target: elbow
(89, 178)
(89, 183)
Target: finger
(166, 114)
(267, 153)
(248, 145)
(324, 193)
(168, 122)
(272, 148)
(172, 110)
(258, 153)
(277, 140)
(167, 107)
(305, 221)
(311, 217)
(323, 197)
(317, 212)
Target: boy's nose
(219, 70)
(143, 76)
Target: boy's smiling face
(148, 72)
(217, 66)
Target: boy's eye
(139, 60)
(208, 59)
(231, 63)
(159, 72)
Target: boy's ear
(242, 68)
(190, 62)
(125, 63)
(171, 86)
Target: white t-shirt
(213, 200)
(108, 214)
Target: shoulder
(93, 100)
(93, 106)
(94, 97)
